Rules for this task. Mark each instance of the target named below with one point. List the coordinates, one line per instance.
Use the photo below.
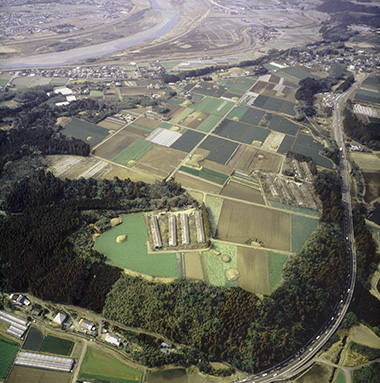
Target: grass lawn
(54, 345)
(302, 228)
(275, 266)
(132, 254)
(134, 151)
(8, 351)
(340, 378)
(99, 365)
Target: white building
(113, 339)
(60, 318)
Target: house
(113, 339)
(86, 325)
(60, 318)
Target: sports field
(132, 254)
(207, 174)
(302, 228)
(86, 131)
(133, 152)
(59, 346)
(8, 351)
(102, 366)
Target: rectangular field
(276, 264)
(242, 132)
(27, 374)
(133, 152)
(193, 265)
(220, 150)
(188, 181)
(100, 365)
(194, 119)
(281, 124)
(253, 116)
(8, 351)
(252, 265)
(86, 131)
(241, 223)
(302, 228)
(206, 174)
(59, 346)
(209, 123)
(132, 254)
(33, 340)
(188, 141)
(213, 106)
(252, 159)
(246, 193)
(314, 155)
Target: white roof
(63, 90)
(60, 318)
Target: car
(348, 290)
(327, 331)
(318, 337)
(275, 374)
(311, 349)
(341, 301)
(265, 374)
(332, 318)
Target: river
(168, 20)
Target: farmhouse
(172, 230)
(113, 339)
(157, 241)
(86, 325)
(17, 327)
(60, 318)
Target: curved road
(304, 358)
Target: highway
(304, 358)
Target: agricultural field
(33, 340)
(123, 173)
(86, 131)
(177, 375)
(209, 123)
(276, 264)
(54, 345)
(243, 223)
(160, 161)
(188, 141)
(368, 95)
(194, 119)
(273, 141)
(180, 115)
(248, 159)
(317, 373)
(214, 208)
(275, 104)
(8, 351)
(27, 374)
(366, 161)
(292, 208)
(372, 183)
(209, 89)
(280, 124)
(132, 254)
(242, 132)
(188, 181)
(217, 267)
(110, 124)
(302, 228)
(102, 366)
(206, 174)
(211, 105)
(252, 116)
(243, 192)
(253, 267)
(220, 150)
(193, 265)
(133, 152)
(314, 154)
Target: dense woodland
(366, 134)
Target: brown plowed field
(21, 374)
(246, 193)
(193, 266)
(252, 265)
(240, 222)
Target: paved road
(306, 356)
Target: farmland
(100, 365)
(246, 193)
(133, 152)
(243, 223)
(302, 227)
(34, 340)
(8, 351)
(193, 265)
(220, 150)
(213, 105)
(207, 174)
(188, 140)
(28, 374)
(132, 254)
(90, 133)
(276, 264)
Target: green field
(276, 264)
(216, 268)
(340, 378)
(206, 174)
(367, 95)
(8, 351)
(307, 140)
(214, 208)
(169, 65)
(313, 154)
(134, 151)
(213, 106)
(99, 365)
(220, 150)
(83, 130)
(253, 116)
(209, 89)
(59, 346)
(281, 124)
(238, 113)
(286, 144)
(242, 132)
(188, 140)
(177, 375)
(181, 115)
(293, 208)
(34, 340)
(132, 254)
(302, 228)
(209, 123)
